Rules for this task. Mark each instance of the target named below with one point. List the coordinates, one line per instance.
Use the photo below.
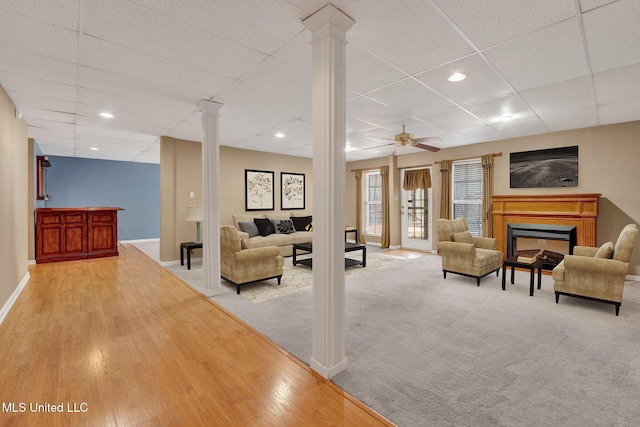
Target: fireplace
(552, 241)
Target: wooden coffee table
(307, 248)
(513, 263)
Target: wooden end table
(513, 263)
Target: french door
(416, 208)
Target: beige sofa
(597, 273)
(284, 241)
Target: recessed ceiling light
(94, 148)
(106, 115)
(456, 77)
(506, 118)
(279, 135)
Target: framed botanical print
(258, 187)
(292, 192)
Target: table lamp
(194, 213)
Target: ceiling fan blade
(427, 139)
(398, 150)
(427, 147)
(378, 146)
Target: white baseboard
(395, 247)
(139, 241)
(633, 278)
(14, 296)
(168, 263)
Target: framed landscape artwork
(258, 188)
(292, 191)
(554, 167)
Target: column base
(328, 372)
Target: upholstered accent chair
(241, 266)
(464, 254)
(597, 273)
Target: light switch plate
(192, 195)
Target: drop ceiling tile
(490, 22)
(524, 61)
(264, 99)
(354, 125)
(612, 35)
(481, 82)
(587, 5)
(102, 55)
(619, 85)
(35, 86)
(92, 113)
(130, 87)
(50, 150)
(34, 113)
(62, 13)
(122, 105)
(37, 37)
(518, 128)
(263, 25)
(38, 133)
(28, 64)
(281, 77)
(360, 62)
(574, 94)
(42, 103)
(411, 35)
(492, 111)
(412, 98)
(571, 119)
(371, 111)
(621, 112)
(129, 24)
(297, 52)
(47, 124)
(419, 128)
(93, 127)
(481, 134)
(453, 121)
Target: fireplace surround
(577, 211)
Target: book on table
(528, 258)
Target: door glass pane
(417, 215)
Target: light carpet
(293, 280)
(424, 351)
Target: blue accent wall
(135, 187)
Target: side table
(189, 247)
(513, 263)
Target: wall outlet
(192, 195)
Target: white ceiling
(551, 64)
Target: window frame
(368, 203)
(475, 231)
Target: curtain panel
(386, 235)
(414, 179)
(445, 189)
(487, 194)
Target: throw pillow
(605, 251)
(301, 222)
(309, 227)
(463, 237)
(249, 227)
(283, 226)
(265, 226)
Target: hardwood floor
(120, 341)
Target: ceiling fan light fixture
(456, 77)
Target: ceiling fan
(403, 139)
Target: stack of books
(529, 258)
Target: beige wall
(181, 172)
(14, 203)
(607, 164)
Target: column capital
(329, 19)
(209, 107)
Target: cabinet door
(61, 235)
(103, 233)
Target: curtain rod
(472, 157)
(408, 167)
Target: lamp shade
(194, 213)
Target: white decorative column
(328, 27)
(210, 198)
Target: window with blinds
(373, 203)
(467, 194)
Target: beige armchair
(597, 273)
(464, 254)
(241, 266)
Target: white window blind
(467, 194)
